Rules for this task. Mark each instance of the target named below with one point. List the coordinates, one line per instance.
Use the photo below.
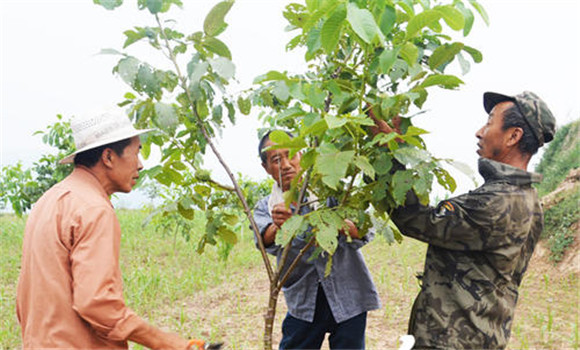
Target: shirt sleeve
(263, 219)
(96, 277)
(463, 223)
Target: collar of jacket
(496, 171)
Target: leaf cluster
(21, 187)
(376, 57)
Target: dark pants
(298, 334)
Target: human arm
(266, 226)
(475, 221)
(97, 283)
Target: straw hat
(101, 129)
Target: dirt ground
(546, 317)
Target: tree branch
(205, 134)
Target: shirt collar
(496, 171)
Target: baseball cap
(535, 111)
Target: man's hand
(279, 216)
(352, 230)
(382, 126)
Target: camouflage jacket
(480, 244)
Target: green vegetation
(561, 155)
(172, 286)
(558, 229)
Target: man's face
(125, 168)
(492, 138)
(278, 164)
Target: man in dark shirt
(480, 243)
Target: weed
(558, 222)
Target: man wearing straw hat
(70, 290)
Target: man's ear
(107, 157)
(515, 136)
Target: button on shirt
(70, 290)
(349, 288)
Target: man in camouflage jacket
(480, 243)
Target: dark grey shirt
(349, 288)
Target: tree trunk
(269, 317)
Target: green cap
(535, 111)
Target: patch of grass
(173, 287)
(561, 155)
(558, 221)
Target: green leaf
(109, 52)
(223, 67)
(154, 6)
(197, 71)
(411, 156)
(109, 4)
(289, 229)
(214, 24)
(388, 20)
(480, 10)
(420, 21)
(328, 266)
(281, 91)
(452, 16)
(468, 16)
(386, 60)
(217, 46)
(282, 140)
(383, 163)
(463, 63)
(315, 96)
(334, 121)
(475, 54)
(187, 213)
(128, 68)
(333, 166)
(313, 43)
(327, 238)
(244, 105)
(330, 32)
(445, 179)
(363, 23)
(202, 190)
(166, 117)
(444, 54)
(227, 235)
(409, 53)
(401, 183)
(363, 164)
(445, 81)
(147, 81)
(231, 219)
(271, 75)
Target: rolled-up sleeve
(97, 284)
(263, 219)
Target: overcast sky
(49, 66)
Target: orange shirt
(70, 290)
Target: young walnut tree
(366, 59)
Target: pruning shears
(198, 344)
